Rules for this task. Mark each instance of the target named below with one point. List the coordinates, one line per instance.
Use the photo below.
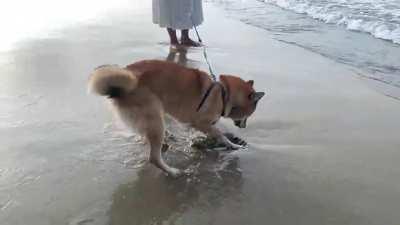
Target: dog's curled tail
(112, 81)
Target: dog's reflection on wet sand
(154, 198)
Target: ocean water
(364, 34)
(380, 18)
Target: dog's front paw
(235, 139)
(233, 146)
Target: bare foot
(189, 42)
(174, 43)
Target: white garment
(177, 14)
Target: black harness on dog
(224, 95)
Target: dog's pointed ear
(257, 96)
(251, 82)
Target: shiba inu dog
(145, 91)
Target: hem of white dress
(177, 27)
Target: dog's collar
(224, 95)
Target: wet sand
(323, 145)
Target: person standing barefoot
(178, 15)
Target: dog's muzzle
(240, 123)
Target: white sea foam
(380, 18)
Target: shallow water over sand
(313, 158)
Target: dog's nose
(237, 123)
(240, 123)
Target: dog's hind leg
(155, 134)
